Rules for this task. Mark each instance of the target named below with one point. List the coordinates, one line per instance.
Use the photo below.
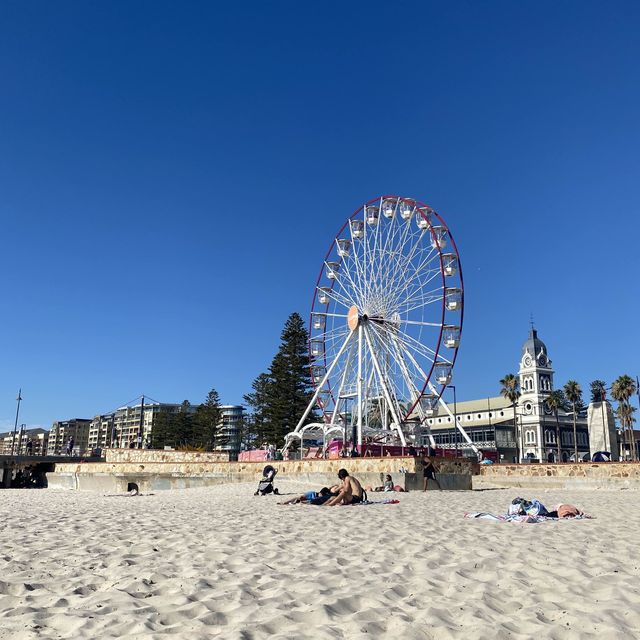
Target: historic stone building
(534, 432)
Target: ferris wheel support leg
(414, 391)
(385, 389)
(336, 409)
(359, 385)
(456, 420)
(312, 402)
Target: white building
(490, 423)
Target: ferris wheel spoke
(329, 338)
(384, 385)
(421, 298)
(338, 298)
(415, 392)
(395, 266)
(420, 293)
(347, 294)
(402, 264)
(351, 260)
(419, 304)
(356, 246)
(393, 348)
(342, 381)
(419, 274)
(418, 322)
(416, 247)
(410, 341)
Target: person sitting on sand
(387, 486)
(350, 492)
(429, 473)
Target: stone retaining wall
(586, 475)
(152, 474)
(163, 455)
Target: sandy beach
(221, 563)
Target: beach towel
(519, 518)
(368, 502)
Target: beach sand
(221, 563)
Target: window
(529, 437)
(567, 437)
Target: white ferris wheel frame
(379, 301)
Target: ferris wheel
(385, 323)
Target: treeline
(280, 396)
(199, 428)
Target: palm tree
(621, 390)
(573, 393)
(555, 402)
(511, 390)
(624, 413)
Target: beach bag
(536, 508)
(518, 507)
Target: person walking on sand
(351, 491)
(429, 473)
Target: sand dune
(221, 563)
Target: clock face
(527, 361)
(542, 361)
(547, 409)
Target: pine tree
(163, 432)
(207, 422)
(287, 386)
(254, 431)
(182, 423)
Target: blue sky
(172, 174)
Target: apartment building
(63, 431)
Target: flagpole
(15, 426)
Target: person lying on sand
(350, 492)
(311, 496)
(565, 511)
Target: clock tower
(536, 383)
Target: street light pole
(455, 415)
(15, 426)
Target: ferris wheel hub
(353, 317)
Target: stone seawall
(163, 455)
(586, 475)
(149, 474)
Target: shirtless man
(350, 490)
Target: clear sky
(172, 174)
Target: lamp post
(455, 416)
(15, 426)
